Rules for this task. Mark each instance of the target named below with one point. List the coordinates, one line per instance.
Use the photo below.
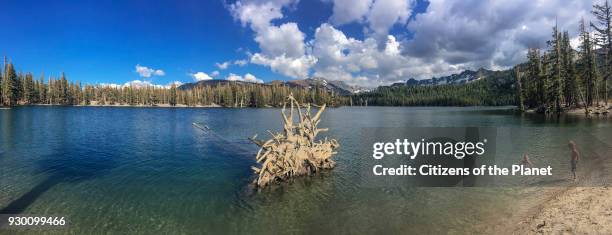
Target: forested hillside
(495, 89)
(23, 89)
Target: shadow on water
(64, 167)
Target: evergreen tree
(519, 89)
(10, 86)
(587, 65)
(172, 100)
(603, 39)
(28, 89)
(532, 82)
(555, 70)
(570, 86)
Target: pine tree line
(496, 89)
(561, 77)
(23, 89)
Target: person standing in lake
(575, 156)
(526, 161)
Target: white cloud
(251, 78)
(450, 36)
(234, 77)
(282, 47)
(200, 76)
(159, 72)
(380, 15)
(175, 83)
(223, 65)
(140, 84)
(490, 33)
(363, 62)
(346, 11)
(386, 13)
(111, 85)
(147, 72)
(247, 78)
(241, 62)
(286, 39)
(291, 67)
(259, 13)
(214, 73)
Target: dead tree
(295, 151)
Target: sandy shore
(577, 210)
(579, 207)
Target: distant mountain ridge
(464, 77)
(338, 87)
(341, 88)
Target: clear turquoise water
(148, 171)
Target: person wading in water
(526, 161)
(575, 156)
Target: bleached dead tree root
(295, 151)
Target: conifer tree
(570, 83)
(587, 65)
(10, 86)
(603, 39)
(519, 89)
(28, 89)
(532, 81)
(172, 100)
(555, 70)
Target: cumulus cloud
(346, 11)
(173, 83)
(282, 47)
(386, 13)
(241, 62)
(491, 34)
(111, 85)
(251, 78)
(147, 72)
(214, 73)
(247, 78)
(138, 84)
(200, 76)
(450, 36)
(380, 15)
(223, 65)
(359, 61)
(288, 66)
(141, 84)
(234, 77)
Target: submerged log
(295, 151)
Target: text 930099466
(9, 221)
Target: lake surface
(148, 171)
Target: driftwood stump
(294, 151)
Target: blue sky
(362, 42)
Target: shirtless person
(526, 161)
(574, 157)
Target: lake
(149, 171)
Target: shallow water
(147, 170)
